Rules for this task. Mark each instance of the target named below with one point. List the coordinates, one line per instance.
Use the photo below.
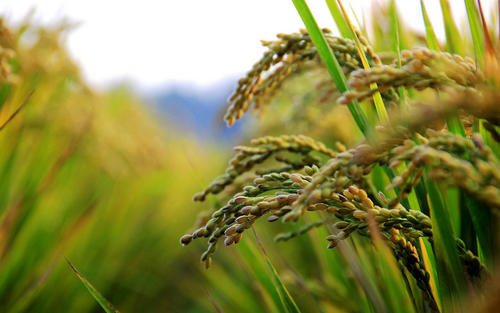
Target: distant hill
(196, 109)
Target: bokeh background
(123, 127)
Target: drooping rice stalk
(430, 148)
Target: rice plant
(412, 205)
(92, 177)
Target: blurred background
(187, 56)
(123, 127)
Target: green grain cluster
(290, 54)
(425, 178)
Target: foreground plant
(427, 148)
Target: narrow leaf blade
(430, 35)
(331, 63)
(286, 298)
(453, 39)
(339, 19)
(103, 302)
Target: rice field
(367, 178)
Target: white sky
(154, 42)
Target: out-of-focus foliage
(92, 177)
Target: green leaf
(397, 41)
(103, 302)
(488, 42)
(430, 265)
(430, 35)
(339, 19)
(455, 126)
(397, 45)
(377, 98)
(453, 204)
(287, 300)
(450, 273)
(331, 64)
(453, 123)
(475, 29)
(482, 222)
(258, 268)
(392, 275)
(334, 271)
(453, 39)
(19, 108)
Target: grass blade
(475, 29)
(490, 48)
(331, 63)
(430, 35)
(258, 269)
(482, 221)
(453, 39)
(454, 124)
(287, 300)
(103, 302)
(377, 98)
(490, 61)
(390, 270)
(339, 19)
(398, 41)
(451, 276)
(11, 117)
(216, 306)
(430, 266)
